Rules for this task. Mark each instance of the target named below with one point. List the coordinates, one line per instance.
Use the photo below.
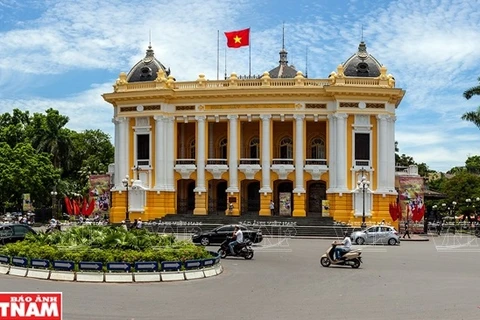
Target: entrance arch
(185, 196)
(217, 196)
(283, 197)
(250, 196)
(316, 192)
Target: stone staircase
(275, 226)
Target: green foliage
(104, 244)
(28, 143)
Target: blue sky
(65, 54)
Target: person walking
(272, 208)
(407, 230)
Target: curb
(111, 277)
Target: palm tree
(472, 116)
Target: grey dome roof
(362, 64)
(283, 70)
(147, 68)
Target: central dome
(362, 64)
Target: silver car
(376, 235)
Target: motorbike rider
(343, 247)
(238, 238)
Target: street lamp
(54, 201)
(125, 182)
(363, 184)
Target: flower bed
(104, 244)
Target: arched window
(253, 148)
(222, 149)
(192, 149)
(317, 148)
(286, 148)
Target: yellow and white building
(231, 146)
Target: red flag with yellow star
(239, 38)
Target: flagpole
(225, 62)
(218, 52)
(249, 56)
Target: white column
(266, 153)
(341, 152)
(159, 153)
(383, 147)
(332, 153)
(117, 181)
(200, 154)
(233, 153)
(170, 154)
(122, 150)
(391, 153)
(299, 158)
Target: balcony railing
(316, 162)
(249, 161)
(185, 161)
(282, 161)
(362, 163)
(217, 161)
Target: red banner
(31, 305)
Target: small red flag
(239, 38)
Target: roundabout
(411, 281)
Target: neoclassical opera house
(229, 147)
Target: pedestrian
(134, 224)
(124, 225)
(407, 230)
(272, 208)
(139, 223)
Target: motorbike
(351, 258)
(52, 228)
(241, 249)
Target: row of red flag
(415, 212)
(77, 207)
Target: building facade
(231, 147)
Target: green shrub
(104, 244)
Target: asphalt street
(437, 279)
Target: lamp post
(125, 182)
(363, 184)
(54, 201)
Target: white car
(380, 234)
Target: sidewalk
(415, 237)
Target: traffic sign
(171, 265)
(119, 266)
(193, 264)
(39, 263)
(208, 262)
(5, 259)
(19, 261)
(146, 266)
(63, 265)
(95, 266)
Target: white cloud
(431, 47)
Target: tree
(472, 164)
(13, 127)
(472, 116)
(22, 170)
(47, 134)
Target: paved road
(411, 281)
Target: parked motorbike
(241, 249)
(351, 258)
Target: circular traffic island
(107, 254)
